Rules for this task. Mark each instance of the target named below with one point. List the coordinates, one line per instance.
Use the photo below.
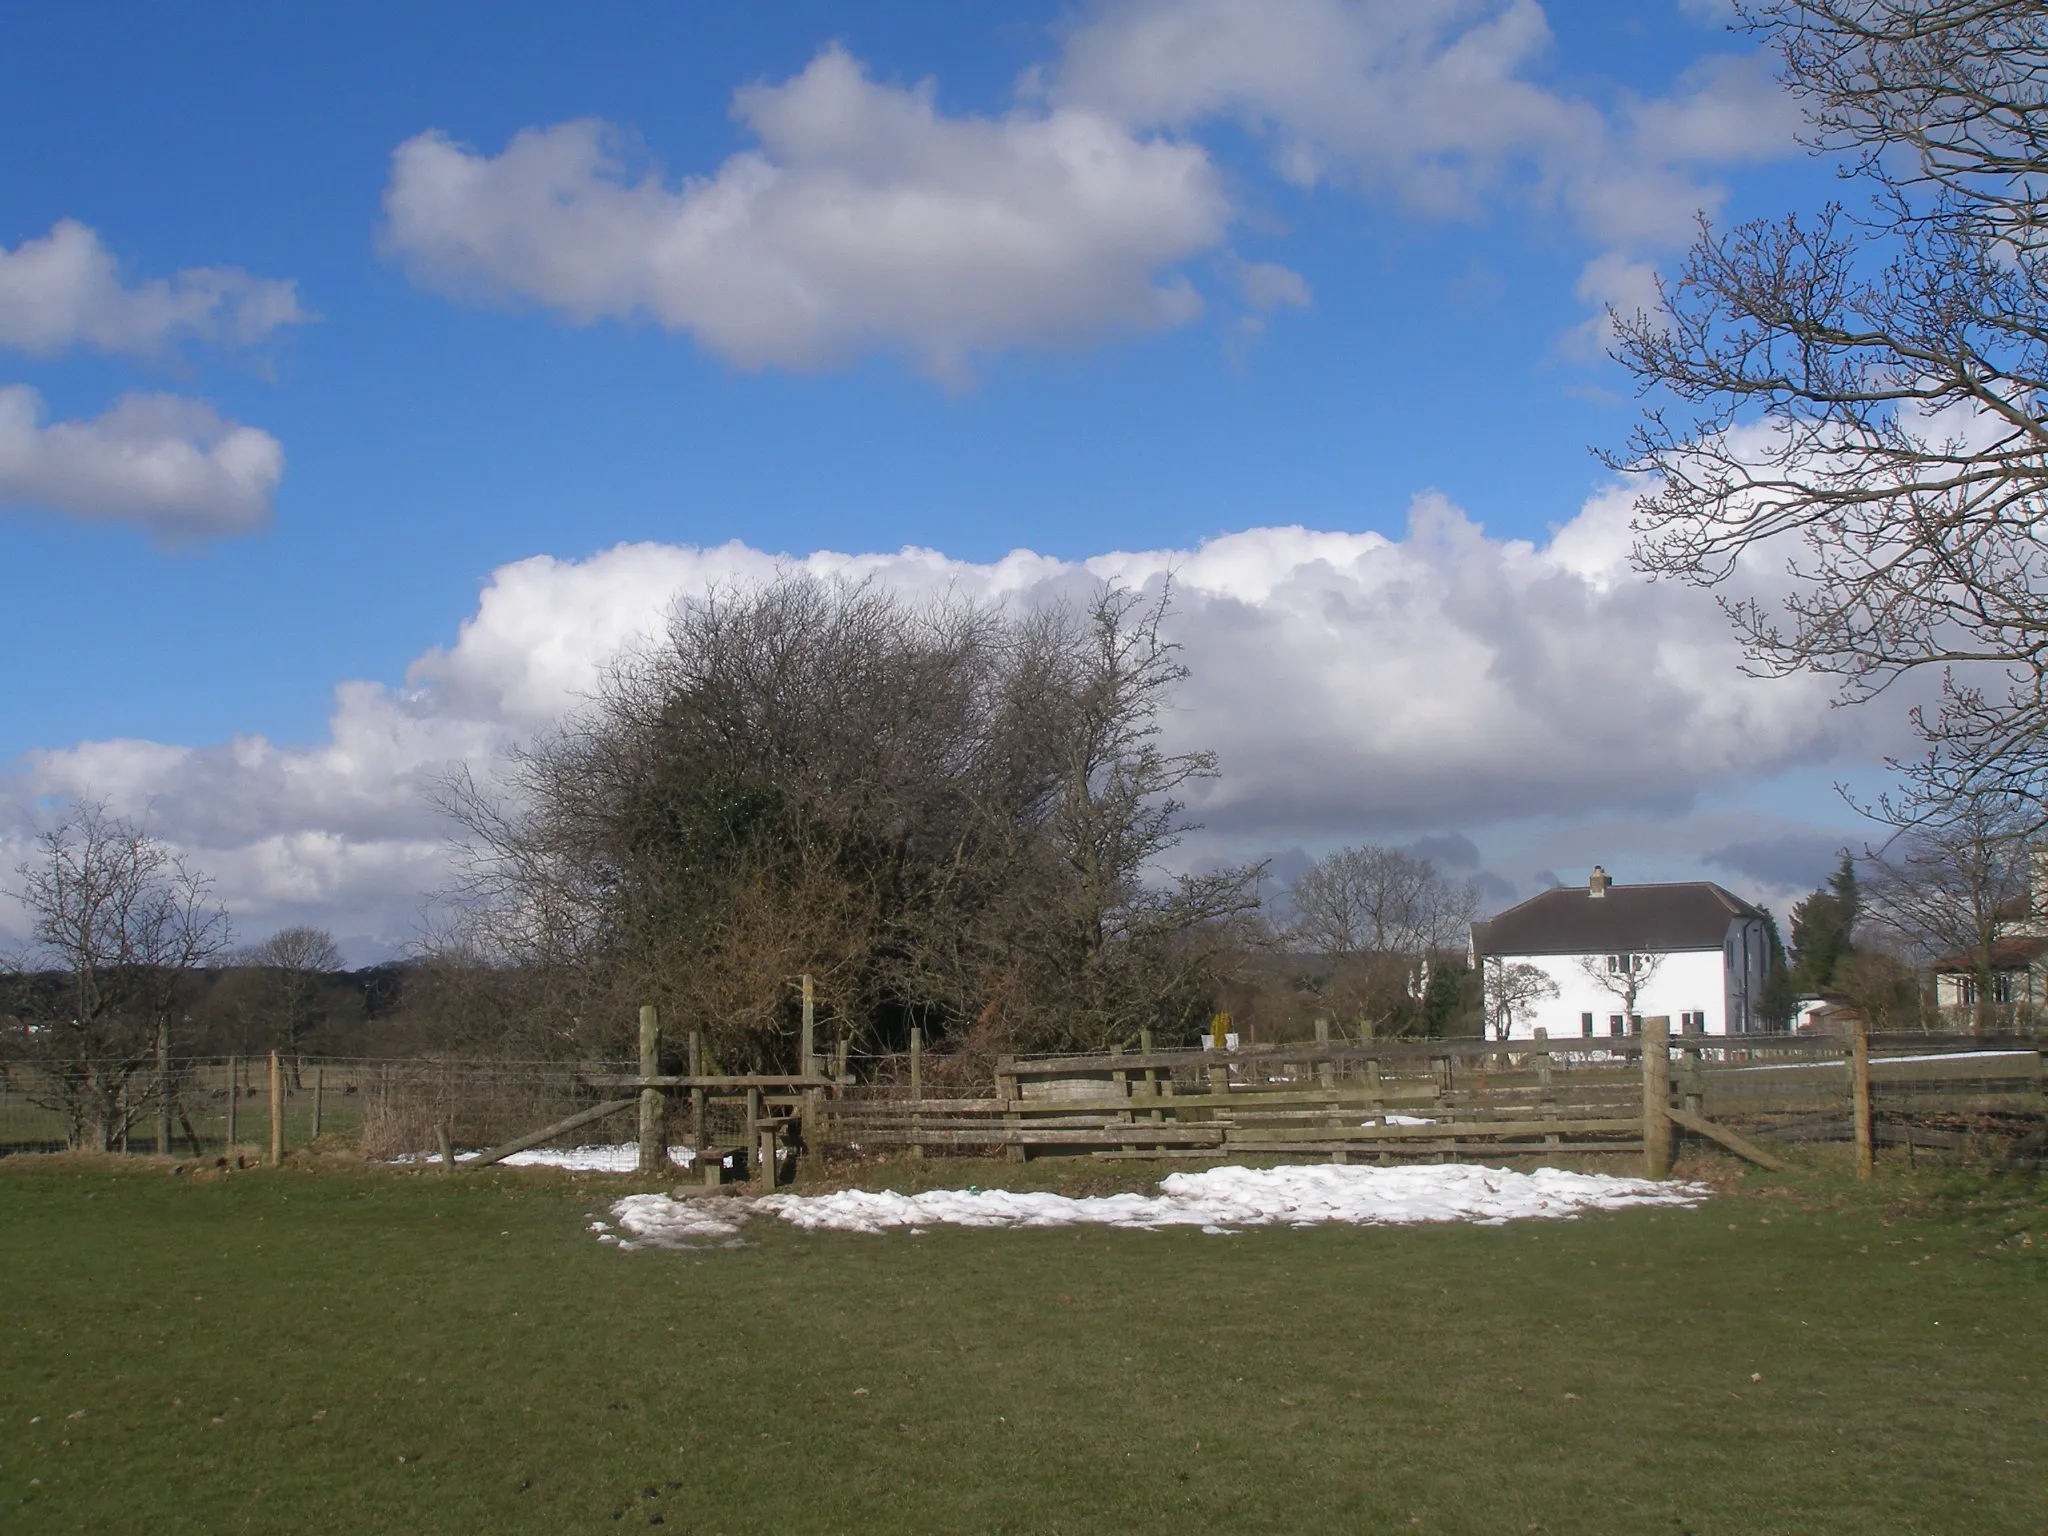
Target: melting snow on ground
(623, 1157)
(1221, 1200)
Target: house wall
(1704, 981)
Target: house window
(1966, 991)
(1615, 1024)
(1693, 1023)
(1585, 1023)
(1619, 964)
(2001, 987)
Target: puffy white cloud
(1355, 686)
(64, 290)
(866, 219)
(172, 465)
(1436, 103)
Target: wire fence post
(234, 1071)
(1859, 1089)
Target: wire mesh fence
(223, 1106)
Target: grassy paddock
(337, 1348)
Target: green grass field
(339, 1349)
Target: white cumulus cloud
(1355, 686)
(171, 465)
(1442, 107)
(867, 219)
(64, 290)
(1442, 104)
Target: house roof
(2016, 953)
(1570, 920)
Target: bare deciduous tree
(1622, 976)
(127, 922)
(1860, 393)
(1954, 879)
(296, 962)
(1511, 989)
(1374, 900)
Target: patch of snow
(656, 1221)
(1218, 1201)
(1408, 1120)
(620, 1157)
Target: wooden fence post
(653, 1106)
(697, 1095)
(234, 1075)
(319, 1087)
(1376, 1099)
(1656, 1040)
(163, 1089)
(1219, 1072)
(1546, 1091)
(1326, 1076)
(916, 1087)
(757, 1143)
(276, 1110)
(1859, 1089)
(1006, 1094)
(1151, 1075)
(814, 1130)
(808, 1041)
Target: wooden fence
(1320, 1099)
(1443, 1098)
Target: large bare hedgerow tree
(1858, 393)
(951, 815)
(127, 924)
(1955, 879)
(1389, 920)
(295, 963)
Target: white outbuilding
(1615, 953)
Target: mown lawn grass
(351, 1349)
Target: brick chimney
(1597, 886)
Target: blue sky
(1342, 297)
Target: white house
(1690, 950)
